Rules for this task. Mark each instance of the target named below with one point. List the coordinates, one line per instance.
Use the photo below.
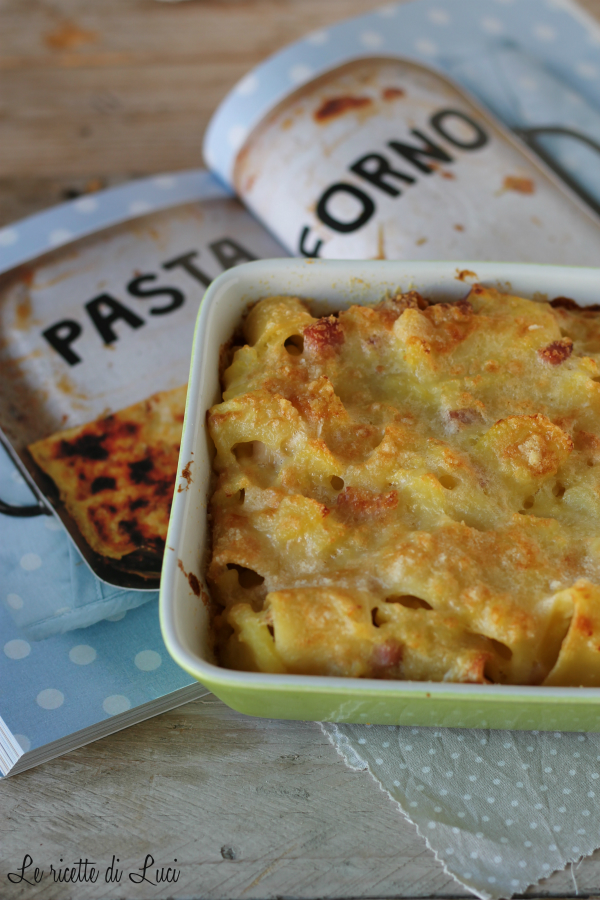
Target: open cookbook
(468, 131)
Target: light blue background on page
(52, 688)
(46, 586)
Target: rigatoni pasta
(411, 490)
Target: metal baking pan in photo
(98, 300)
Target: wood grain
(250, 808)
(101, 93)
(114, 90)
(135, 92)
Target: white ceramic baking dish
(183, 595)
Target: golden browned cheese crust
(411, 491)
(116, 476)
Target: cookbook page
(424, 131)
(95, 341)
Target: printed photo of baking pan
(385, 159)
(184, 594)
(98, 298)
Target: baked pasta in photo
(116, 477)
(411, 490)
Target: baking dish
(183, 595)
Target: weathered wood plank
(202, 784)
(76, 32)
(90, 90)
(250, 808)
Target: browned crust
(116, 476)
(556, 352)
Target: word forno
(104, 310)
(380, 171)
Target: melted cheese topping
(116, 477)
(411, 491)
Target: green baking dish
(183, 593)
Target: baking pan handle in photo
(24, 512)
(533, 137)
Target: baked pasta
(411, 491)
(116, 478)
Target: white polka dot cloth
(500, 809)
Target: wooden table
(95, 94)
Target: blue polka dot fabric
(62, 670)
(534, 63)
(35, 235)
(85, 671)
(61, 689)
(47, 587)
